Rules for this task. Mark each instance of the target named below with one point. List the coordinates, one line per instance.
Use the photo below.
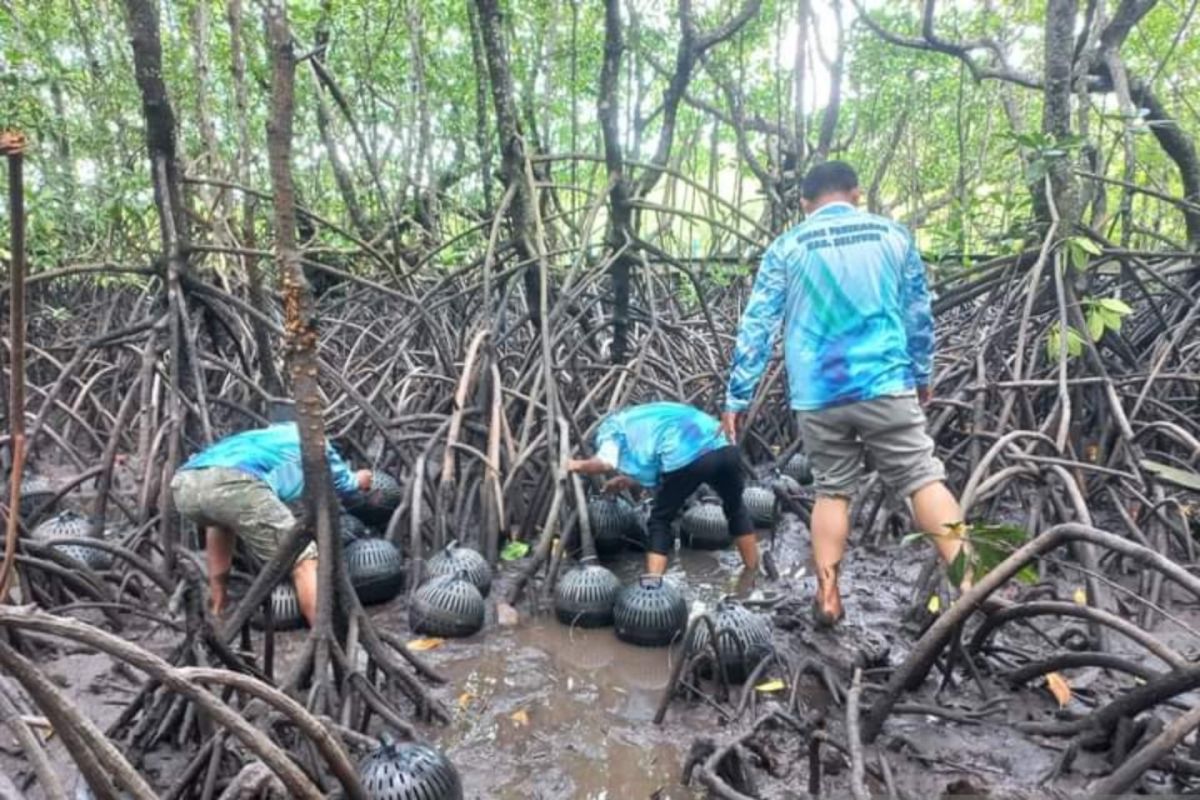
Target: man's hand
(730, 420)
(618, 484)
(924, 395)
(364, 480)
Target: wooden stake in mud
(12, 144)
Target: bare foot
(746, 582)
(827, 603)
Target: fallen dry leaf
(1080, 597)
(465, 699)
(506, 615)
(1059, 687)
(520, 718)
(420, 645)
(935, 604)
(770, 686)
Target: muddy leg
(937, 512)
(830, 530)
(304, 578)
(218, 550)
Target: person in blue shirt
(239, 488)
(849, 290)
(672, 448)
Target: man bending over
(238, 488)
(672, 448)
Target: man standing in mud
(239, 487)
(672, 448)
(849, 288)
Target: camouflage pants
(239, 503)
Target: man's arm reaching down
(589, 466)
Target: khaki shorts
(892, 429)
(238, 502)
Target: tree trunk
(481, 119)
(272, 382)
(301, 339)
(512, 151)
(620, 212)
(1056, 111)
(1180, 148)
(141, 17)
(341, 175)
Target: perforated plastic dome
(91, 557)
(36, 492)
(454, 559)
(376, 570)
(376, 506)
(651, 612)
(760, 502)
(743, 639)
(63, 525)
(704, 527)
(585, 596)
(446, 606)
(385, 490)
(351, 528)
(409, 771)
(285, 609)
(799, 469)
(612, 519)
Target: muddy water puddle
(544, 710)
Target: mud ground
(546, 711)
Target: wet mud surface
(542, 710)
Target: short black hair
(828, 177)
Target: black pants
(720, 469)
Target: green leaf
(1085, 244)
(912, 537)
(1095, 324)
(1115, 305)
(992, 544)
(1111, 321)
(514, 550)
(1074, 343)
(1180, 477)
(1053, 342)
(1028, 574)
(958, 568)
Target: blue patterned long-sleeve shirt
(646, 441)
(272, 455)
(849, 289)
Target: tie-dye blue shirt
(273, 456)
(646, 441)
(849, 288)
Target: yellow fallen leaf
(935, 604)
(420, 645)
(1059, 687)
(770, 686)
(957, 529)
(1080, 597)
(465, 699)
(520, 718)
